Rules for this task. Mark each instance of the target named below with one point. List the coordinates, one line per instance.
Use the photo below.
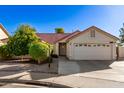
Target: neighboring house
(3, 35)
(90, 44)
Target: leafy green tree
(59, 30)
(39, 51)
(122, 34)
(4, 53)
(19, 43)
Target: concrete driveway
(107, 70)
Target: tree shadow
(7, 71)
(89, 66)
(73, 67)
(35, 71)
(39, 72)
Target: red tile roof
(54, 37)
(69, 36)
(51, 37)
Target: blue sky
(46, 18)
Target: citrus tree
(20, 42)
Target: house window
(103, 45)
(76, 45)
(94, 45)
(107, 45)
(85, 44)
(111, 42)
(89, 45)
(92, 33)
(80, 44)
(98, 45)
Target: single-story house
(90, 44)
(3, 35)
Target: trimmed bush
(4, 53)
(39, 51)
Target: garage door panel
(92, 53)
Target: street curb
(32, 82)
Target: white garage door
(92, 51)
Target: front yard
(16, 65)
(85, 73)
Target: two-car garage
(92, 51)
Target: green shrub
(20, 42)
(4, 53)
(39, 51)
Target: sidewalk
(67, 80)
(29, 78)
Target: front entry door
(62, 49)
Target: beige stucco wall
(99, 38)
(2, 34)
(85, 38)
(55, 48)
(114, 51)
(121, 51)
